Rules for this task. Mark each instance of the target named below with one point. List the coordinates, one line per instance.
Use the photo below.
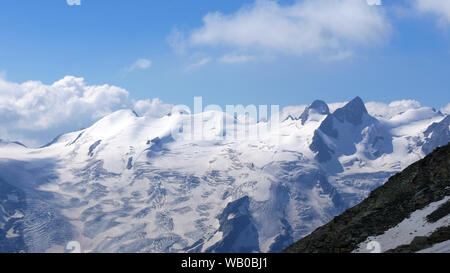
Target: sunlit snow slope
(138, 184)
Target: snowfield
(140, 184)
(408, 229)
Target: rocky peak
(334, 128)
(352, 112)
(318, 106)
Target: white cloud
(236, 58)
(35, 113)
(199, 63)
(74, 2)
(177, 41)
(446, 109)
(152, 107)
(309, 26)
(339, 56)
(374, 2)
(440, 8)
(336, 105)
(379, 109)
(140, 64)
(297, 110)
(2, 74)
(294, 111)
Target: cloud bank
(199, 63)
(446, 109)
(311, 26)
(440, 8)
(379, 109)
(34, 113)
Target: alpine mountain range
(125, 184)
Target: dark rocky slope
(422, 183)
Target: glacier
(129, 184)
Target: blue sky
(100, 40)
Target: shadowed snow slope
(140, 184)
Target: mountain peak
(352, 111)
(341, 130)
(320, 106)
(317, 107)
(357, 104)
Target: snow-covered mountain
(140, 184)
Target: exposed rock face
(342, 130)
(423, 242)
(422, 183)
(236, 223)
(353, 112)
(438, 214)
(11, 205)
(317, 107)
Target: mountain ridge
(425, 182)
(138, 184)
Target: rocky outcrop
(423, 242)
(422, 183)
(236, 225)
(317, 107)
(341, 132)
